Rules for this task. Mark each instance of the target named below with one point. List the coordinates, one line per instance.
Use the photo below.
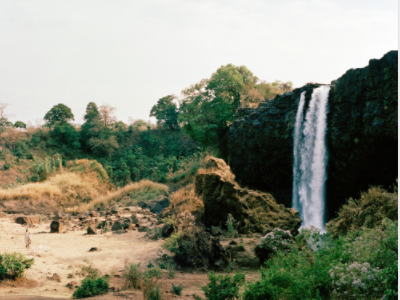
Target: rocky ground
(69, 250)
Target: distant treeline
(198, 120)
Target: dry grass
(218, 166)
(108, 200)
(183, 200)
(66, 189)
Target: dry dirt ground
(67, 254)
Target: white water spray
(310, 159)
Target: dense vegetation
(131, 152)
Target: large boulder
(56, 227)
(362, 136)
(253, 210)
(27, 220)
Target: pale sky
(131, 53)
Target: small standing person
(28, 239)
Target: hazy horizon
(130, 54)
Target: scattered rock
(167, 230)
(90, 230)
(27, 220)
(56, 227)
(215, 230)
(117, 226)
(134, 218)
(56, 277)
(94, 249)
(93, 214)
(71, 285)
(142, 228)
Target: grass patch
(144, 189)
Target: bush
(355, 281)
(177, 289)
(390, 278)
(132, 276)
(90, 271)
(359, 265)
(271, 243)
(231, 226)
(13, 265)
(151, 290)
(368, 211)
(91, 287)
(223, 287)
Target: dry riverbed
(68, 252)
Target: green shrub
(223, 287)
(132, 276)
(232, 226)
(368, 211)
(359, 265)
(356, 281)
(151, 290)
(13, 265)
(177, 289)
(91, 287)
(391, 280)
(277, 240)
(150, 265)
(153, 294)
(90, 271)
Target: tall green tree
(166, 112)
(209, 106)
(98, 132)
(92, 119)
(59, 114)
(65, 137)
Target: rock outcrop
(362, 136)
(253, 210)
(27, 220)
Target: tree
(209, 106)
(166, 112)
(91, 112)
(106, 112)
(97, 133)
(20, 125)
(4, 122)
(65, 136)
(93, 119)
(60, 114)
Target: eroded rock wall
(362, 136)
(253, 210)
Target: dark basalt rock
(362, 136)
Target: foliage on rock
(368, 211)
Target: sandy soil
(67, 254)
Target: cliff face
(362, 136)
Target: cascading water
(310, 159)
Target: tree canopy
(59, 114)
(166, 112)
(20, 124)
(208, 107)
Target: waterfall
(310, 158)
